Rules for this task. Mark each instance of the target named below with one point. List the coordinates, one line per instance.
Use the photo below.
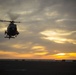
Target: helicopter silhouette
(11, 31)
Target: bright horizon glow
(42, 55)
(60, 54)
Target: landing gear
(11, 35)
(5, 32)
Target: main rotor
(9, 21)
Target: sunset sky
(47, 29)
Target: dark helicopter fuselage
(11, 30)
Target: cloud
(58, 36)
(47, 26)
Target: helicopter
(11, 31)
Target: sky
(47, 29)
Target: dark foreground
(37, 67)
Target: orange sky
(58, 56)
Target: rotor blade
(16, 22)
(9, 21)
(4, 21)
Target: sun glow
(60, 54)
